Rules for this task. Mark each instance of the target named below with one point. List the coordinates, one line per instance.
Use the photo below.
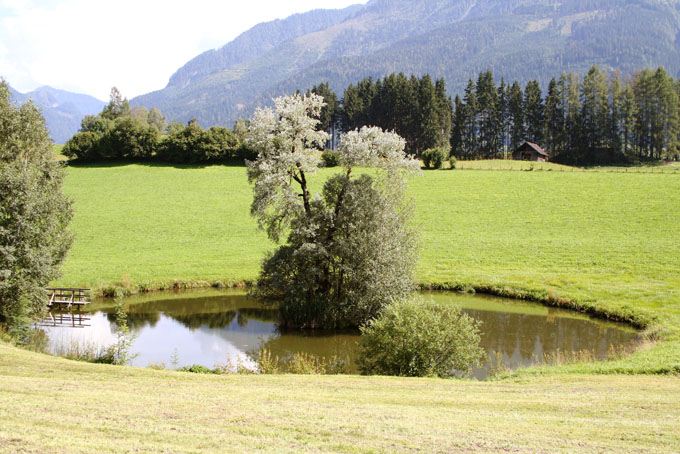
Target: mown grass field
(607, 242)
(52, 405)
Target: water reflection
(219, 329)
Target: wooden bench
(65, 300)
(68, 298)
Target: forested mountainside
(63, 110)
(452, 39)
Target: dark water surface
(214, 328)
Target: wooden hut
(530, 152)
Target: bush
(434, 157)
(196, 369)
(192, 144)
(418, 338)
(452, 162)
(82, 145)
(330, 158)
(243, 152)
(128, 139)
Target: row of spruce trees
(604, 118)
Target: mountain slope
(454, 39)
(63, 110)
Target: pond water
(214, 328)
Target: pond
(214, 328)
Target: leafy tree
(34, 212)
(96, 124)
(350, 250)
(157, 119)
(117, 107)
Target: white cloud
(89, 46)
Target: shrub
(330, 158)
(128, 139)
(244, 152)
(418, 338)
(82, 145)
(192, 144)
(196, 369)
(452, 162)
(298, 363)
(434, 157)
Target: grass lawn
(58, 155)
(54, 405)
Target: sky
(89, 46)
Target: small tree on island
(352, 249)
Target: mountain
(454, 39)
(63, 110)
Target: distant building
(530, 152)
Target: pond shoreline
(650, 330)
(636, 319)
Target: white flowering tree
(351, 249)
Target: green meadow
(603, 242)
(596, 241)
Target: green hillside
(454, 39)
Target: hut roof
(534, 147)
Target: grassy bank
(597, 241)
(54, 405)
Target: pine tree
(533, 106)
(594, 113)
(329, 112)
(503, 120)
(516, 111)
(573, 140)
(470, 132)
(458, 128)
(487, 115)
(554, 119)
(615, 125)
